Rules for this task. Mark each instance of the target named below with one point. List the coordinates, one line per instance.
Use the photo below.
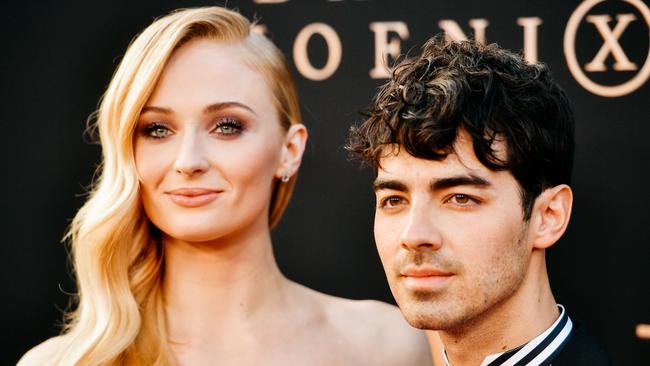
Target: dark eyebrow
(394, 185)
(211, 108)
(460, 180)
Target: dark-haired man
(473, 151)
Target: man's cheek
(387, 238)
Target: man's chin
(429, 319)
(428, 323)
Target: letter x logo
(611, 46)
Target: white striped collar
(540, 351)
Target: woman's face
(208, 145)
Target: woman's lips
(425, 278)
(193, 197)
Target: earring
(285, 178)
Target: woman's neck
(214, 289)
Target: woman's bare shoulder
(380, 320)
(379, 327)
(44, 353)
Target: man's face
(451, 236)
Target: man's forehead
(397, 162)
(461, 152)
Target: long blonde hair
(119, 318)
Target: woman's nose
(190, 159)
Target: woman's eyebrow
(152, 108)
(211, 108)
(223, 105)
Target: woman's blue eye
(157, 131)
(229, 126)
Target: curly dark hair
(489, 92)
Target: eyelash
(149, 130)
(231, 123)
(384, 203)
(471, 201)
(160, 130)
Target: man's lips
(423, 271)
(193, 197)
(425, 278)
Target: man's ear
(551, 214)
(293, 147)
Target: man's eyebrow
(394, 185)
(460, 180)
(224, 105)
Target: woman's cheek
(253, 161)
(153, 161)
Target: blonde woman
(202, 138)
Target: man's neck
(513, 322)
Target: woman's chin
(202, 228)
(197, 233)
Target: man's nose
(421, 231)
(190, 159)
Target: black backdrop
(57, 58)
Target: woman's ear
(551, 215)
(293, 147)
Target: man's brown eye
(393, 201)
(461, 199)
